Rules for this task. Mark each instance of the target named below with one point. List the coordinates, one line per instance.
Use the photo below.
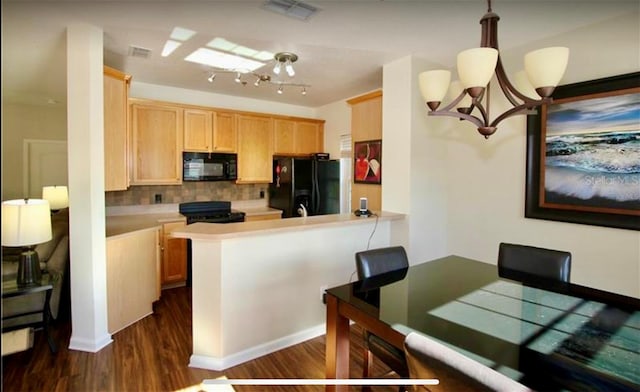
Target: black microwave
(203, 166)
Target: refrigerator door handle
(316, 188)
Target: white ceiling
(341, 49)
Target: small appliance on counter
(305, 186)
(208, 212)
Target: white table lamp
(26, 223)
(57, 196)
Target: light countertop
(213, 231)
(121, 220)
(124, 224)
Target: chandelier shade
(434, 85)
(544, 68)
(476, 66)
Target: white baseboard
(89, 345)
(216, 363)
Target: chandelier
(543, 70)
(283, 61)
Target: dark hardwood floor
(153, 354)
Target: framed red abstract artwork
(367, 164)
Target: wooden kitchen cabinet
(132, 263)
(283, 139)
(116, 130)
(198, 130)
(309, 137)
(225, 136)
(174, 254)
(157, 140)
(293, 137)
(209, 131)
(255, 149)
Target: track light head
(280, 89)
(211, 77)
(287, 59)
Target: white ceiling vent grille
(136, 51)
(291, 8)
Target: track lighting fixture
(283, 59)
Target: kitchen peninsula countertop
(121, 220)
(212, 231)
(124, 224)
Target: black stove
(208, 212)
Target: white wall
(413, 164)
(337, 116)
(22, 121)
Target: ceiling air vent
(291, 8)
(136, 51)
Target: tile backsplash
(188, 191)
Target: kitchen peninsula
(257, 286)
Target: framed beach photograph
(583, 154)
(367, 163)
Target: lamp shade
(57, 196)
(434, 85)
(476, 66)
(25, 222)
(545, 67)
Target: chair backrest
(378, 261)
(429, 359)
(540, 262)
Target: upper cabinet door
(225, 137)
(157, 144)
(309, 137)
(255, 149)
(198, 130)
(297, 137)
(116, 130)
(283, 134)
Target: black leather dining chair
(430, 359)
(529, 260)
(370, 263)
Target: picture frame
(583, 154)
(367, 162)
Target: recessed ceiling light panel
(217, 59)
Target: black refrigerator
(312, 183)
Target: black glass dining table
(547, 335)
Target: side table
(11, 289)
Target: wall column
(85, 136)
